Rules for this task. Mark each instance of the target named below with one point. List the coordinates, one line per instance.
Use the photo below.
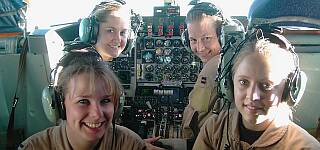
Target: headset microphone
(225, 48)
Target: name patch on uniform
(203, 80)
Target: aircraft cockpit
(158, 69)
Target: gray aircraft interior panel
(29, 114)
(36, 80)
(8, 72)
(307, 111)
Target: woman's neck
(248, 135)
(77, 143)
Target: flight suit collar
(270, 136)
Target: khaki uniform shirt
(213, 135)
(201, 99)
(55, 138)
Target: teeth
(93, 125)
(251, 107)
(116, 46)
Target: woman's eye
(193, 40)
(243, 82)
(105, 101)
(267, 86)
(124, 33)
(110, 30)
(84, 101)
(208, 38)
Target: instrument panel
(157, 76)
(164, 60)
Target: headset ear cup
(88, 30)
(185, 40)
(296, 88)
(285, 94)
(53, 105)
(49, 105)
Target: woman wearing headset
(89, 93)
(204, 21)
(110, 31)
(261, 120)
(107, 28)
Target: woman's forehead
(116, 22)
(262, 67)
(121, 14)
(203, 28)
(87, 83)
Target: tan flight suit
(288, 136)
(201, 99)
(55, 138)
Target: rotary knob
(158, 69)
(167, 43)
(149, 43)
(184, 69)
(149, 68)
(159, 43)
(193, 77)
(176, 43)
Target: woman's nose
(96, 111)
(116, 36)
(255, 93)
(200, 45)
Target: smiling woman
(263, 91)
(87, 96)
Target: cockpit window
(45, 13)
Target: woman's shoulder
(216, 120)
(211, 67)
(42, 139)
(295, 132)
(222, 115)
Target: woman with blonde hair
(264, 84)
(87, 94)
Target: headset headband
(106, 3)
(207, 8)
(74, 56)
(272, 33)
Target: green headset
(295, 82)
(89, 27)
(52, 96)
